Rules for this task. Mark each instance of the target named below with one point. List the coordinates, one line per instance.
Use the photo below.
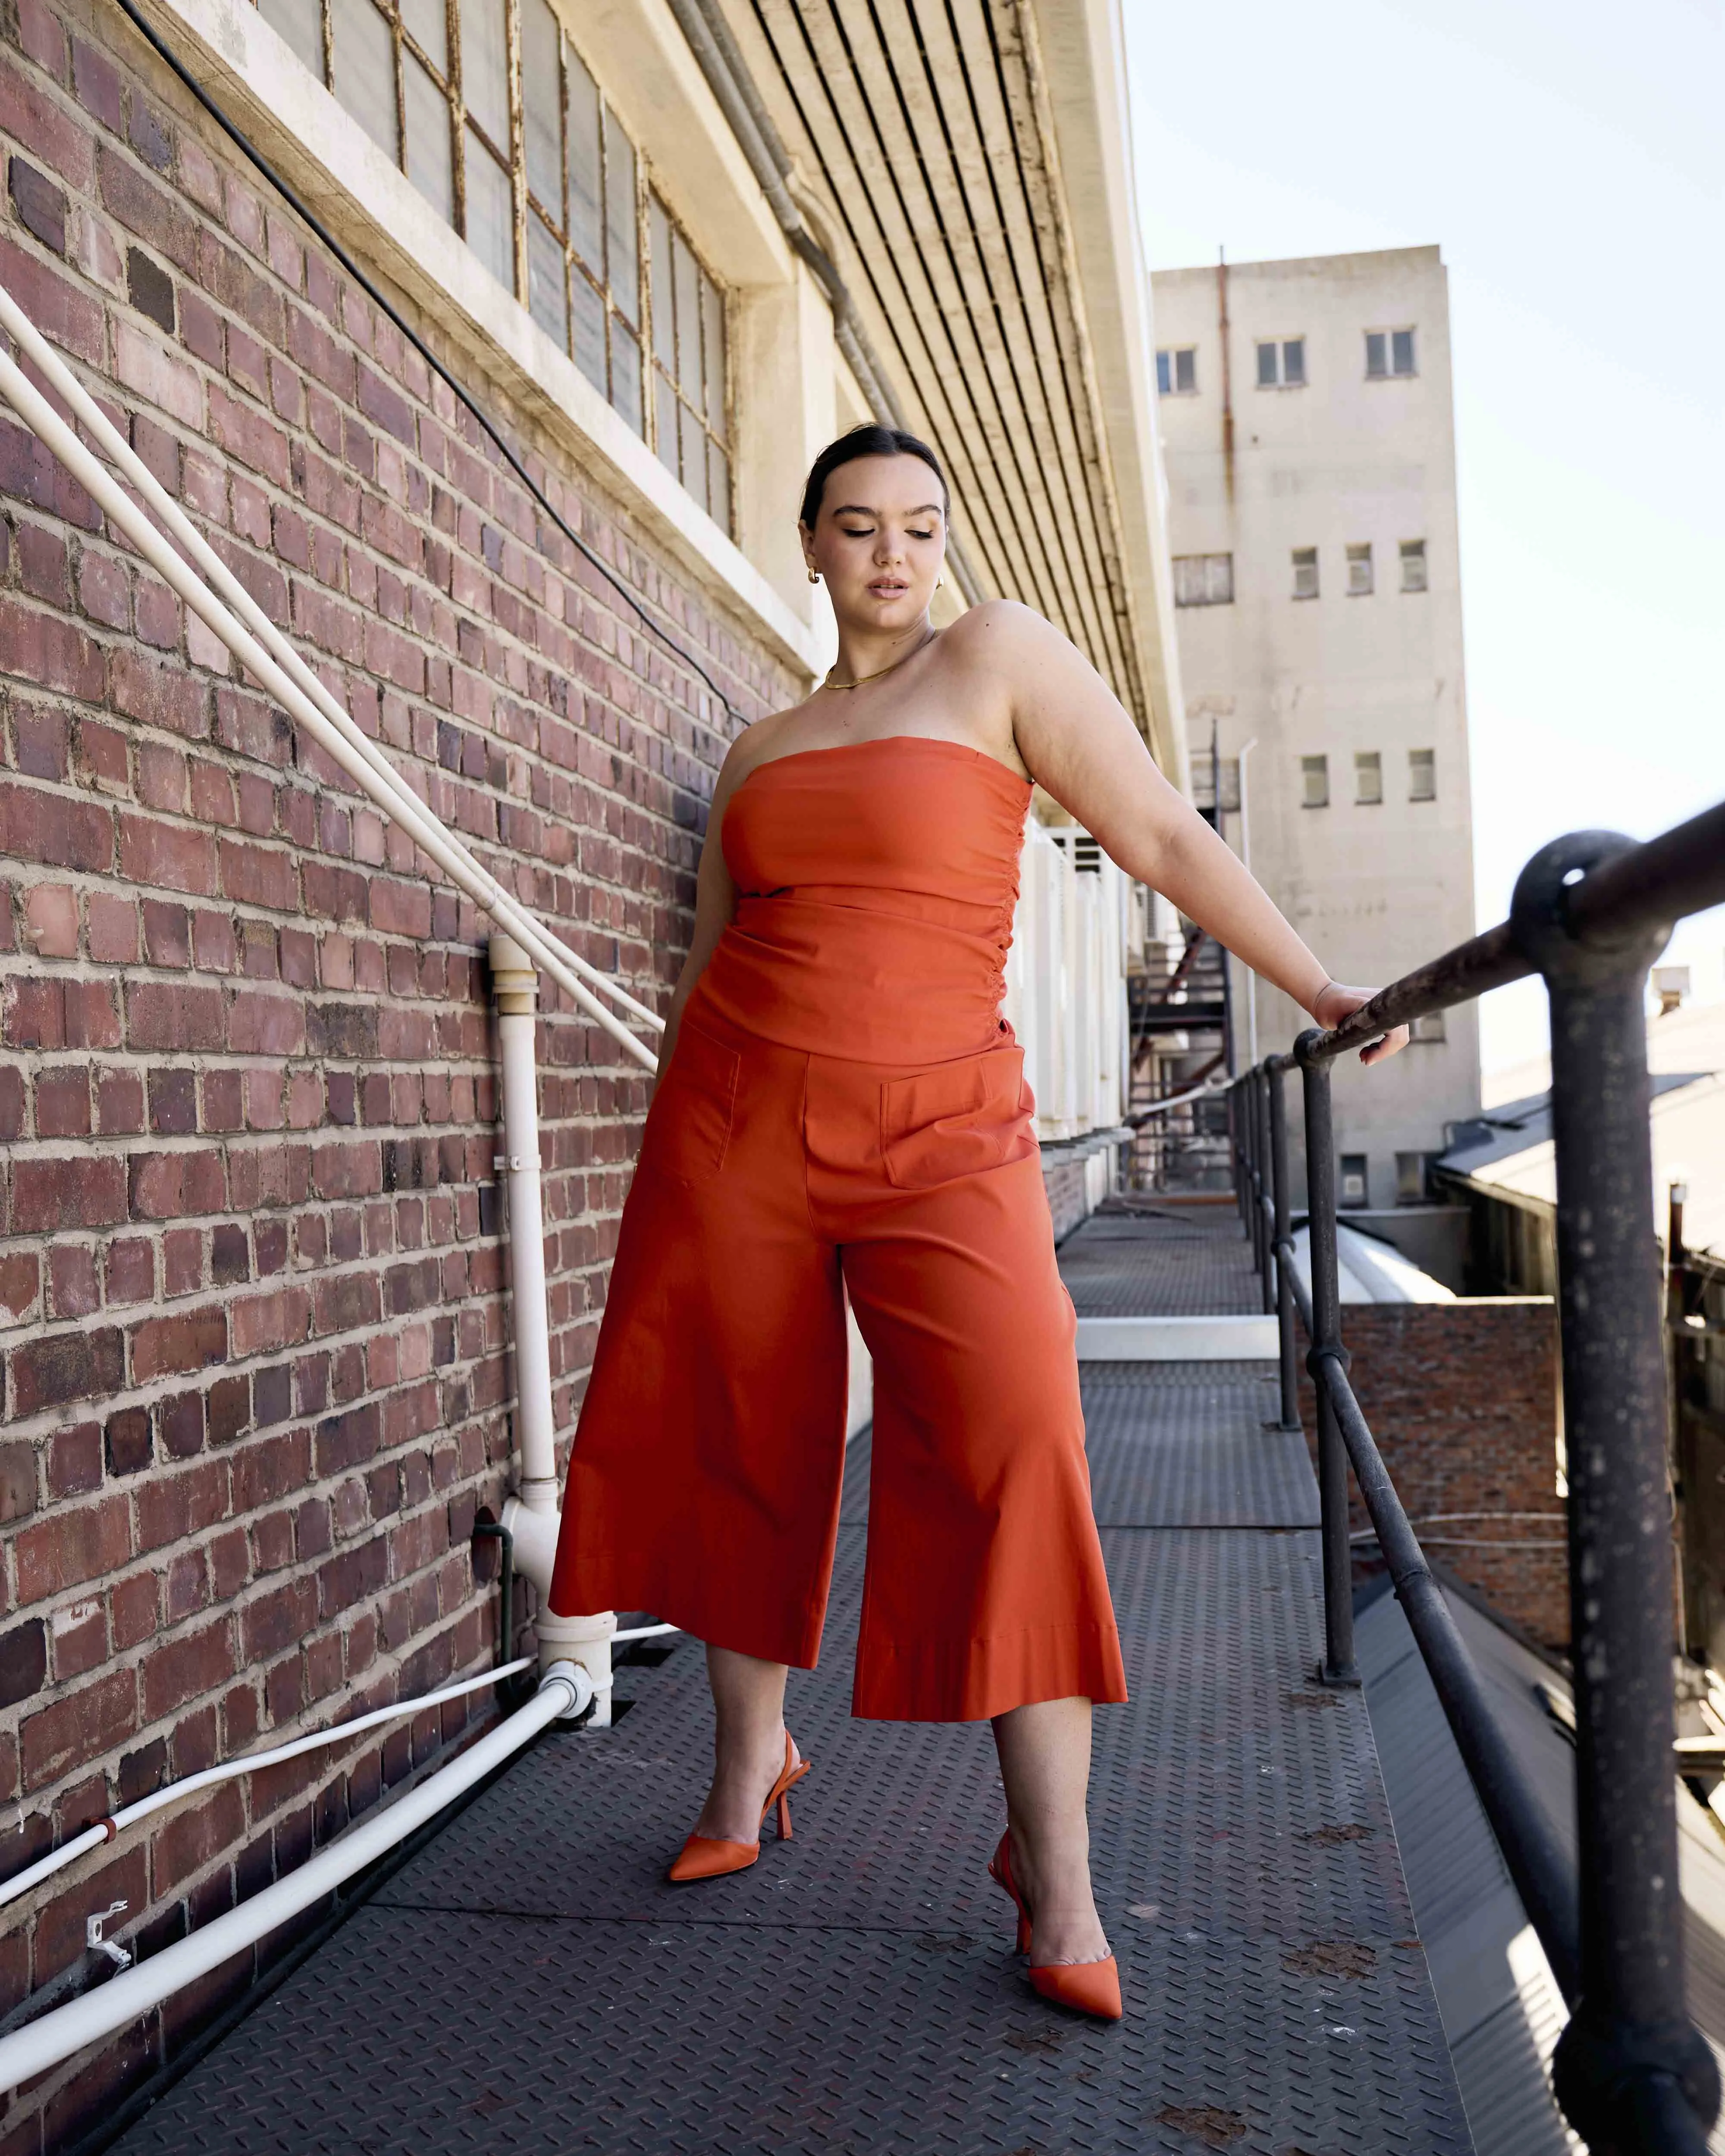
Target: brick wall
(1462, 1400)
(251, 1324)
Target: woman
(841, 1108)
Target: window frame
(1386, 340)
(1279, 348)
(527, 207)
(1316, 766)
(1344, 1170)
(1182, 561)
(1305, 558)
(1367, 764)
(1167, 369)
(1412, 551)
(1422, 760)
(1358, 556)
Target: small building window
(1412, 565)
(1369, 778)
(1410, 1177)
(1204, 580)
(1429, 1028)
(1422, 774)
(1359, 571)
(1353, 1186)
(1388, 352)
(1306, 572)
(1177, 371)
(1282, 365)
(1314, 781)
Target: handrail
(1590, 913)
(261, 648)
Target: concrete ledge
(1176, 1339)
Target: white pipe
(120, 453)
(1245, 862)
(563, 1691)
(1178, 1100)
(107, 1829)
(516, 986)
(386, 792)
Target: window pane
(623, 239)
(1164, 381)
(484, 67)
(586, 230)
(1293, 363)
(687, 279)
(548, 302)
(1412, 565)
(1376, 360)
(543, 105)
(1186, 369)
(1402, 351)
(665, 419)
(694, 453)
(427, 22)
(298, 23)
(1315, 781)
(490, 214)
(1219, 579)
(1351, 1185)
(1306, 572)
(712, 342)
(626, 375)
(430, 157)
(1422, 774)
(1359, 570)
(718, 481)
(589, 343)
(1266, 366)
(365, 70)
(1369, 778)
(664, 320)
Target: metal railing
(1590, 913)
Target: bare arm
(715, 901)
(1078, 740)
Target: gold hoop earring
(815, 576)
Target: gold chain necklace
(861, 678)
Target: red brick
(168, 856)
(185, 1668)
(161, 1346)
(50, 827)
(66, 1547)
(196, 1837)
(82, 1192)
(62, 1102)
(85, 1726)
(55, 1368)
(159, 1016)
(171, 1506)
(50, 923)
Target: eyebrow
(857, 509)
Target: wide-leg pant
(704, 1479)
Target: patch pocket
(688, 1128)
(959, 1119)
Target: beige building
(1308, 435)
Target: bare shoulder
(998, 632)
(759, 741)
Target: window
(1411, 1178)
(1388, 352)
(1282, 365)
(488, 108)
(1412, 565)
(1177, 371)
(1314, 781)
(1204, 580)
(1429, 1028)
(1352, 1185)
(1368, 778)
(1422, 774)
(1359, 573)
(1306, 572)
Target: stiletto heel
(1089, 1987)
(706, 1856)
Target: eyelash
(869, 533)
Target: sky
(1566, 157)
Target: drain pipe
(563, 1693)
(720, 59)
(531, 1516)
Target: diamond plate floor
(1187, 1265)
(530, 1984)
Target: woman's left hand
(1334, 1004)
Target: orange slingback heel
(704, 1856)
(1089, 1987)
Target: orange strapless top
(876, 882)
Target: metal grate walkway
(529, 1984)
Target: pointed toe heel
(704, 1856)
(1088, 1987)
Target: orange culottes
(705, 1476)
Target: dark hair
(867, 441)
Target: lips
(889, 587)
